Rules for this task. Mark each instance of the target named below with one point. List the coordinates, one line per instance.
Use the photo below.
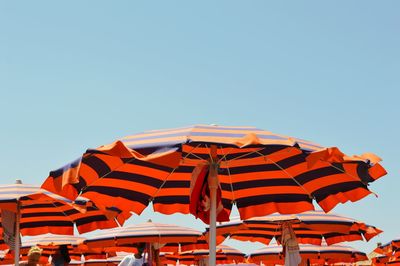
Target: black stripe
(128, 194)
(177, 184)
(324, 192)
(273, 182)
(42, 205)
(44, 214)
(285, 163)
(333, 234)
(336, 252)
(90, 219)
(99, 166)
(227, 203)
(315, 174)
(277, 198)
(363, 174)
(135, 177)
(80, 185)
(171, 199)
(46, 223)
(58, 172)
(147, 165)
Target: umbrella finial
(18, 181)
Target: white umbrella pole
(213, 185)
(17, 238)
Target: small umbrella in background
(389, 248)
(386, 260)
(390, 252)
(30, 210)
(225, 255)
(313, 227)
(201, 169)
(310, 254)
(50, 243)
(155, 233)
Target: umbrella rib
(100, 177)
(173, 170)
(244, 155)
(352, 176)
(229, 173)
(289, 175)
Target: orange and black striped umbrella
(259, 171)
(148, 232)
(115, 260)
(389, 248)
(44, 212)
(225, 255)
(311, 227)
(315, 255)
(386, 260)
(49, 243)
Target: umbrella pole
(213, 185)
(17, 238)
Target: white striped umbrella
(37, 211)
(314, 254)
(311, 227)
(224, 255)
(148, 232)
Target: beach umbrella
(50, 243)
(312, 254)
(36, 211)
(149, 232)
(386, 260)
(313, 227)
(224, 255)
(201, 169)
(115, 260)
(389, 248)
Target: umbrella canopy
(115, 260)
(31, 210)
(149, 232)
(49, 243)
(320, 255)
(386, 260)
(44, 212)
(225, 255)
(259, 171)
(313, 227)
(390, 247)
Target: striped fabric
(259, 171)
(49, 243)
(148, 232)
(390, 247)
(386, 260)
(312, 227)
(115, 260)
(224, 255)
(317, 255)
(44, 212)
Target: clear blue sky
(80, 74)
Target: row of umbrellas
(258, 171)
(389, 253)
(315, 224)
(271, 255)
